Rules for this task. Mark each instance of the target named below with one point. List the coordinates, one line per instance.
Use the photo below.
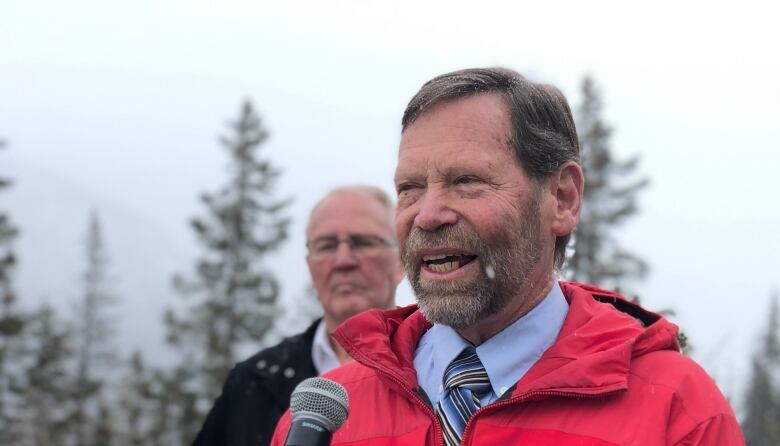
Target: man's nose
(345, 256)
(434, 211)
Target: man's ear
(567, 186)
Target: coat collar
(602, 332)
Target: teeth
(444, 267)
(434, 257)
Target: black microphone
(319, 407)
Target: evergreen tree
(157, 409)
(611, 189)
(761, 425)
(94, 347)
(46, 393)
(183, 410)
(175, 418)
(135, 402)
(12, 322)
(103, 433)
(610, 198)
(8, 232)
(231, 296)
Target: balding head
(370, 192)
(352, 258)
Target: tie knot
(467, 371)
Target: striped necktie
(465, 382)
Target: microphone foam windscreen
(322, 397)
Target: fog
(117, 106)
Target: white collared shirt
(322, 354)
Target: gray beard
(506, 259)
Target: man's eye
(363, 242)
(326, 245)
(466, 179)
(405, 187)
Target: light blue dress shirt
(506, 356)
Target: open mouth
(444, 263)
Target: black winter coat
(257, 392)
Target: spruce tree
(761, 425)
(8, 233)
(136, 401)
(175, 417)
(610, 199)
(12, 323)
(156, 407)
(46, 393)
(94, 339)
(230, 297)
(103, 431)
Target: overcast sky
(116, 106)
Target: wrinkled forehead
(472, 130)
(478, 113)
(345, 213)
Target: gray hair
(543, 136)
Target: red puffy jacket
(614, 376)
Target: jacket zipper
(438, 437)
(522, 398)
(437, 433)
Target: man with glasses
(354, 266)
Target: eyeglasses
(323, 247)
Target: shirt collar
(322, 354)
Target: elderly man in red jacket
(499, 351)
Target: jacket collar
(292, 352)
(602, 332)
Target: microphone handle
(307, 432)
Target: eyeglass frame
(352, 241)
